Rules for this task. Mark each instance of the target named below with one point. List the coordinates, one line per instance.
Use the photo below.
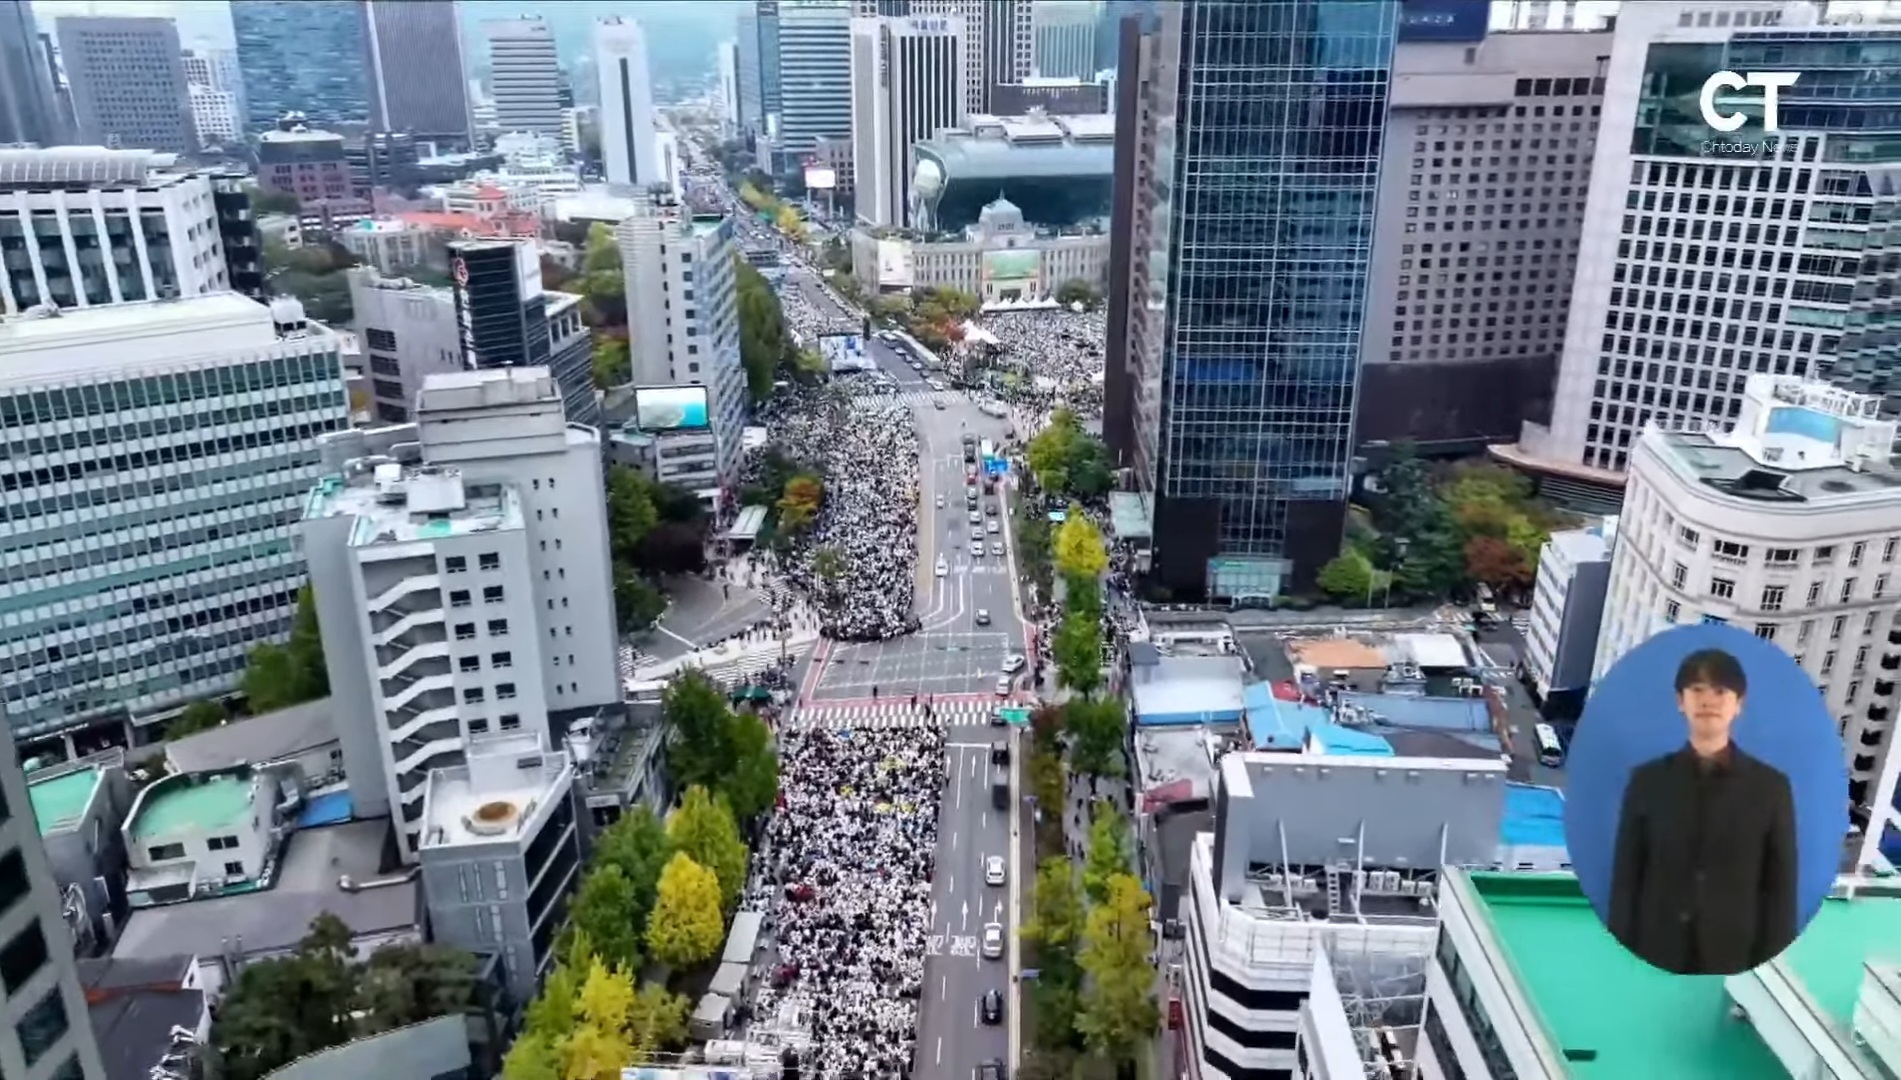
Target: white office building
(904, 74)
(1567, 606)
(408, 332)
(155, 454)
(726, 94)
(463, 582)
(1706, 256)
(1787, 524)
(1065, 38)
(45, 1029)
(631, 153)
(216, 116)
(814, 78)
(150, 229)
(683, 324)
(524, 75)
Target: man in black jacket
(1705, 870)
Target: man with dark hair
(1705, 870)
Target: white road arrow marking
(965, 924)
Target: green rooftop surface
(214, 804)
(58, 800)
(1594, 995)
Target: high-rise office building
(524, 75)
(154, 229)
(905, 87)
(1473, 261)
(766, 32)
(814, 74)
(192, 425)
(687, 347)
(304, 56)
(417, 78)
(1003, 44)
(751, 107)
(629, 151)
(505, 319)
(1707, 256)
(1788, 524)
(128, 80)
(1241, 300)
(463, 583)
(1064, 41)
(45, 1029)
(726, 90)
(217, 100)
(27, 110)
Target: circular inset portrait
(1706, 800)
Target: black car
(997, 718)
(1000, 753)
(993, 1014)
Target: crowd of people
(848, 887)
(866, 452)
(1036, 362)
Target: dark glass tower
(307, 56)
(1243, 284)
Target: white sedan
(993, 870)
(943, 567)
(1013, 663)
(993, 941)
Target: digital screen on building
(671, 408)
(1012, 268)
(1444, 20)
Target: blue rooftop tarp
(1345, 742)
(1434, 713)
(1274, 724)
(1534, 816)
(330, 808)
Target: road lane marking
(954, 835)
(983, 820)
(940, 1049)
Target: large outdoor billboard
(671, 408)
(844, 352)
(1012, 269)
(895, 270)
(818, 178)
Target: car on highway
(992, 527)
(940, 502)
(990, 508)
(983, 616)
(991, 1008)
(938, 404)
(993, 870)
(937, 384)
(976, 518)
(1004, 685)
(977, 534)
(996, 548)
(943, 567)
(993, 941)
(991, 1070)
(1013, 663)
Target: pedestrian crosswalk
(897, 713)
(919, 398)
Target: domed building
(1008, 209)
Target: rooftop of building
(337, 869)
(1025, 147)
(256, 740)
(81, 344)
(400, 504)
(201, 803)
(133, 1029)
(1589, 993)
(1795, 441)
(507, 781)
(60, 795)
(85, 166)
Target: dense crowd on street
(848, 885)
(866, 452)
(1041, 361)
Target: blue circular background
(1632, 717)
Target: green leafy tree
(687, 925)
(1078, 547)
(1054, 930)
(762, 331)
(1078, 291)
(799, 505)
(637, 845)
(607, 911)
(402, 985)
(827, 563)
(600, 1045)
(752, 780)
(1118, 1010)
(702, 827)
(611, 364)
(198, 716)
(306, 649)
(1096, 730)
(1348, 577)
(1047, 780)
(1077, 651)
(702, 725)
(1111, 853)
(273, 201)
(637, 603)
(631, 513)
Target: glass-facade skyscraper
(1244, 285)
(307, 56)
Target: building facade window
(1490, 1049)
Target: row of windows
(116, 430)
(243, 502)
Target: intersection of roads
(954, 662)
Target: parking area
(941, 662)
